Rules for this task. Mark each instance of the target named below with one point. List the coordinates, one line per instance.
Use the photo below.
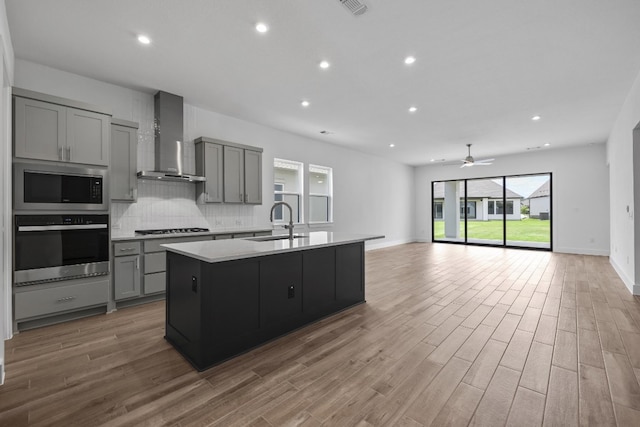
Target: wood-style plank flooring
(450, 335)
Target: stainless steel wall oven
(59, 247)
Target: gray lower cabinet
(126, 277)
(124, 146)
(54, 131)
(126, 270)
(47, 299)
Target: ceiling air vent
(354, 6)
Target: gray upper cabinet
(51, 128)
(253, 177)
(124, 145)
(40, 129)
(87, 137)
(233, 175)
(209, 164)
(233, 172)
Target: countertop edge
(179, 235)
(171, 248)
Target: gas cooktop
(173, 231)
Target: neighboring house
(540, 201)
(484, 201)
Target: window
(320, 193)
(496, 207)
(287, 187)
(471, 210)
(437, 210)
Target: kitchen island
(226, 297)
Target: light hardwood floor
(450, 335)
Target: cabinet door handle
(60, 157)
(66, 299)
(246, 198)
(138, 263)
(68, 154)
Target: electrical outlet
(238, 222)
(219, 222)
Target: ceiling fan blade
(484, 160)
(483, 164)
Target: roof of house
(477, 188)
(542, 191)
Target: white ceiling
(483, 68)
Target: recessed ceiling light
(433, 160)
(413, 109)
(144, 39)
(536, 118)
(324, 65)
(409, 60)
(547, 144)
(305, 103)
(261, 27)
(392, 145)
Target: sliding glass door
(448, 212)
(513, 211)
(486, 227)
(533, 227)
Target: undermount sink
(278, 237)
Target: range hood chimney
(169, 144)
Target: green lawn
(526, 230)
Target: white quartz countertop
(228, 250)
(116, 236)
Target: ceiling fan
(468, 161)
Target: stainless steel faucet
(290, 225)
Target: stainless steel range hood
(169, 144)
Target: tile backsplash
(172, 205)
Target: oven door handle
(61, 227)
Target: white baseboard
(628, 281)
(373, 244)
(582, 251)
(1, 372)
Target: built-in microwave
(59, 188)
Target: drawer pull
(126, 249)
(66, 299)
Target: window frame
(299, 167)
(313, 168)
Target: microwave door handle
(61, 227)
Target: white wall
(6, 76)
(624, 162)
(580, 193)
(372, 195)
